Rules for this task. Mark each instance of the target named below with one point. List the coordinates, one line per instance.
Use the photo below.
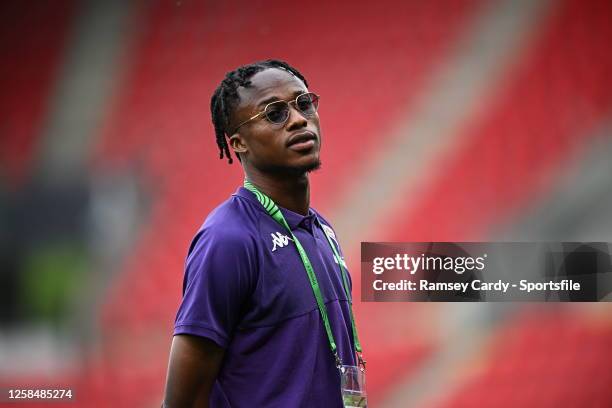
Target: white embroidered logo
(330, 233)
(279, 240)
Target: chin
(310, 166)
(295, 169)
(316, 165)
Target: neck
(288, 191)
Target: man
(266, 317)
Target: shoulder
(234, 225)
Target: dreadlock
(225, 98)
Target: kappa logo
(279, 240)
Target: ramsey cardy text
(523, 285)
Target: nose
(296, 119)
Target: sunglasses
(277, 112)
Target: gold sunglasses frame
(288, 102)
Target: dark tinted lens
(277, 112)
(308, 103)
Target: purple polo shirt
(246, 289)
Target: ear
(237, 143)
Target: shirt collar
(294, 220)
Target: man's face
(291, 147)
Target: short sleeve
(220, 272)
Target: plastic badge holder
(353, 387)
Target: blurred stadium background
(442, 120)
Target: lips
(301, 139)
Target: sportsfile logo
(279, 240)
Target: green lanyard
(276, 214)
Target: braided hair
(225, 98)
